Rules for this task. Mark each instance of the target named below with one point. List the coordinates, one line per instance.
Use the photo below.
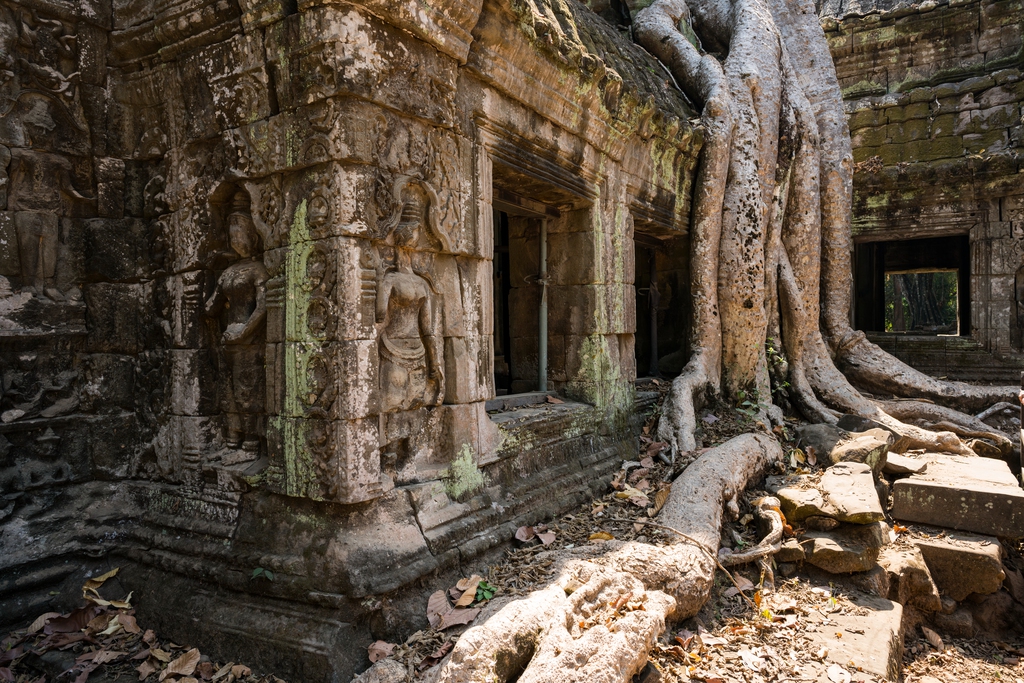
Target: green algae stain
(462, 476)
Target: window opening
(922, 302)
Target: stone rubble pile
(949, 569)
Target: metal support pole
(655, 297)
(542, 320)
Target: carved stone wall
(934, 92)
(247, 313)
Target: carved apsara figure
(411, 364)
(240, 299)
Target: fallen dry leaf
(147, 669)
(94, 583)
(128, 623)
(525, 533)
(933, 638)
(553, 399)
(160, 654)
(240, 670)
(379, 650)
(205, 670)
(547, 537)
(468, 588)
(601, 536)
(223, 671)
(40, 622)
(183, 665)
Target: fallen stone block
(903, 464)
(968, 494)
(850, 488)
(862, 448)
(870, 640)
(791, 551)
(959, 623)
(962, 563)
(844, 492)
(850, 548)
(910, 581)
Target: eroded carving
(411, 363)
(239, 305)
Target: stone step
(961, 563)
(871, 639)
(967, 494)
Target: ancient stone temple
(274, 287)
(934, 93)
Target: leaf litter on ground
(103, 637)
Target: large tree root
(939, 418)
(608, 603)
(771, 225)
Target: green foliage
(484, 591)
(261, 573)
(922, 302)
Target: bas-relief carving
(40, 100)
(411, 361)
(238, 308)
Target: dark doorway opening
(501, 288)
(914, 286)
(662, 304)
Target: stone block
(871, 137)
(333, 380)
(112, 443)
(469, 369)
(967, 494)
(962, 563)
(903, 464)
(848, 548)
(863, 448)
(114, 317)
(845, 492)
(333, 460)
(110, 187)
(929, 150)
(910, 581)
(791, 551)
(188, 320)
(574, 258)
(116, 249)
(10, 260)
(194, 382)
(871, 641)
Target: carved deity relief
(238, 307)
(40, 104)
(411, 362)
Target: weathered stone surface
(959, 623)
(862, 448)
(800, 497)
(903, 464)
(822, 438)
(871, 641)
(910, 581)
(850, 488)
(963, 563)
(968, 494)
(791, 551)
(849, 548)
(844, 492)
